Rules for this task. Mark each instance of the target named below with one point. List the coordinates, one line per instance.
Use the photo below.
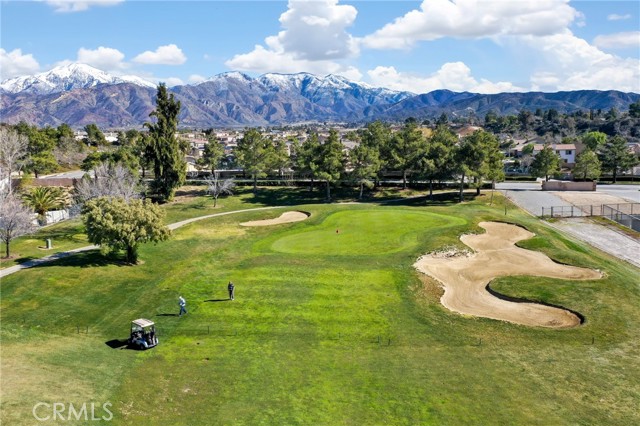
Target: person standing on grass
(182, 304)
(231, 289)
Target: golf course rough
(465, 278)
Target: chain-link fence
(626, 214)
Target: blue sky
(485, 46)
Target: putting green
(364, 232)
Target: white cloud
(264, 60)
(473, 19)
(616, 17)
(570, 63)
(170, 81)
(104, 58)
(314, 39)
(630, 39)
(79, 6)
(455, 76)
(163, 55)
(15, 64)
(316, 30)
(196, 78)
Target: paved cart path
(172, 226)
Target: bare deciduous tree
(217, 187)
(13, 149)
(69, 152)
(15, 220)
(111, 180)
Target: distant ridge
(78, 94)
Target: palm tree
(43, 199)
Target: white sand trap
(287, 217)
(465, 279)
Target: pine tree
(406, 148)
(331, 161)
(165, 150)
(255, 154)
(616, 157)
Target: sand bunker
(465, 278)
(287, 217)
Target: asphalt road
(75, 174)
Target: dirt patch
(286, 217)
(465, 277)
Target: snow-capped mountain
(79, 95)
(66, 77)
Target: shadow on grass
(341, 194)
(117, 343)
(86, 259)
(283, 196)
(438, 199)
(218, 300)
(167, 315)
(22, 259)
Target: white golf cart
(143, 334)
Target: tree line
(433, 154)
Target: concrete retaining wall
(556, 185)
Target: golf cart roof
(142, 322)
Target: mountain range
(78, 95)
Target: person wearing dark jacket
(231, 289)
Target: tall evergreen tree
(42, 142)
(478, 156)
(331, 160)
(255, 154)
(365, 161)
(377, 136)
(212, 154)
(406, 148)
(165, 150)
(306, 160)
(280, 160)
(435, 163)
(616, 157)
(95, 136)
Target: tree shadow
(284, 196)
(437, 199)
(86, 259)
(23, 259)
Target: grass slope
(327, 328)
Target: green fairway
(328, 328)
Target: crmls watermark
(44, 411)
